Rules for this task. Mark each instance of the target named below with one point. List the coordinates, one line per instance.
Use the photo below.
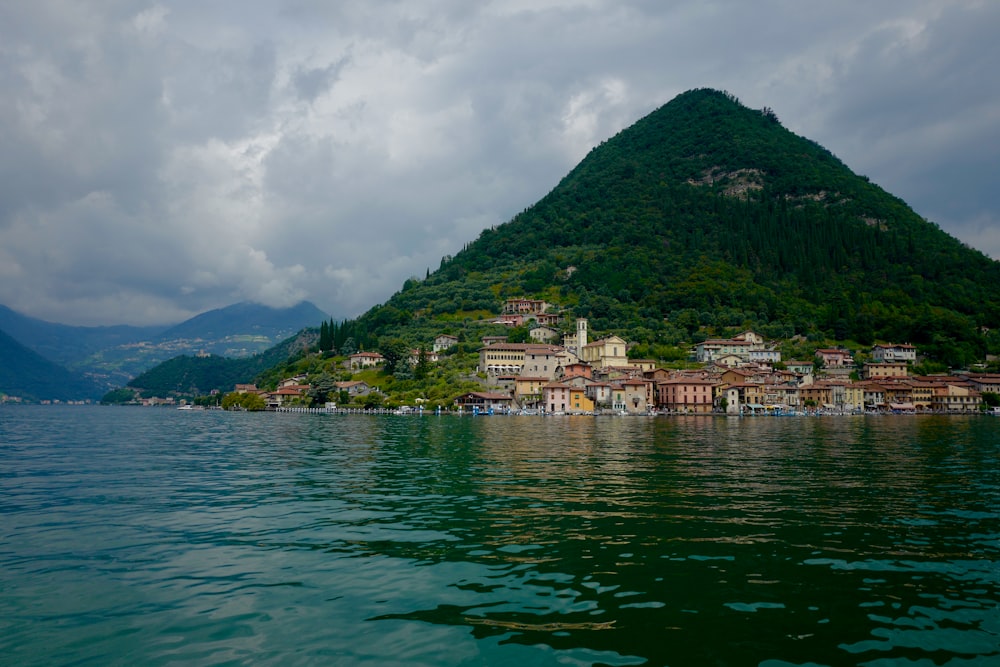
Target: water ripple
(155, 537)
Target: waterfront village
(558, 373)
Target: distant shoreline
(518, 413)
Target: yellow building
(816, 394)
(579, 401)
(605, 352)
(922, 394)
(528, 390)
(560, 397)
(854, 396)
(884, 369)
(954, 398)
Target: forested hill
(30, 377)
(708, 212)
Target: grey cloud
(311, 82)
(225, 94)
(915, 107)
(186, 156)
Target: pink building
(687, 395)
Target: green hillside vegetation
(431, 385)
(708, 216)
(196, 376)
(27, 375)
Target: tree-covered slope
(709, 212)
(192, 376)
(27, 375)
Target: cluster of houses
(292, 390)
(739, 375)
(558, 373)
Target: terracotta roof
(523, 347)
(688, 381)
(286, 391)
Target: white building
(444, 341)
(903, 352)
(765, 356)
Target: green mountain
(703, 218)
(707, 213)
(195, 376)
(27, 375)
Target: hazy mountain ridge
(29, 376)
(104, 357)
(66, 344)
(247, 318)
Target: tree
(349, 346)
(423, 364)
(396, 353)
(818, 364)
(243, 401)
(322, 388)
(118, 396)
(325, 337)
(372, 401)
(841, 329)
(519, 334)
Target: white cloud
(150, 21)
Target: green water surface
(136, 536)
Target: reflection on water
(151, 537)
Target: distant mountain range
(29, 376)
(40, 360)
(65, 344)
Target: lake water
(132, 536)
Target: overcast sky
(159, 160)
